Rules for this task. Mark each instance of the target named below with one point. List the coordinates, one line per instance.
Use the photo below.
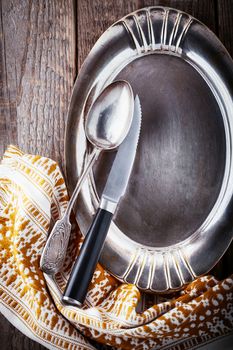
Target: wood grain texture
(12, 339)
(39, 54)
(38, 71)
(225, 23)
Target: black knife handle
(86, 262)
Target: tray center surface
(180, 159)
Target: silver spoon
(107, 124)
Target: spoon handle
(86, 262)
(94, 155)
(54, 252)
(55, 248)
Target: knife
(114, 190)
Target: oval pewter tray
(175, 221)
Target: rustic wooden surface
(42, 46)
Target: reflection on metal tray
(175, 220)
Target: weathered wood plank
(38, 70)
(225, 23)
(12, 339)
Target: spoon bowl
(110, 116)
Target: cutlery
(115, 188)
(107, 124)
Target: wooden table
(43, 44)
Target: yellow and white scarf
(32, 193)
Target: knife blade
(114, 189)
(121, 169)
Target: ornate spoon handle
(55, 248)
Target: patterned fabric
(32, 194)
